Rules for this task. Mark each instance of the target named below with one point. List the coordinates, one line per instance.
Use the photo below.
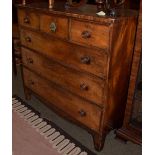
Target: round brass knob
(53, 27)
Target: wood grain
(69, 79)
(28, 18)
(61, 24)
(96, 51)
(86, 12)
(66, 53)
(122, 43)
(96, 32)
(66, 102)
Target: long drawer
(81, 84)
(81, 110)
(74, 56)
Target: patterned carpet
(33, 135)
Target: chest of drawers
(78, 63)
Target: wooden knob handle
(82, 113)
(83, 86)
(31, 82)
(30, 60)
(28, 39)
(85, 60)
(86, 34)
(26, 20)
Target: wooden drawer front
(28, 19)
(74, 56)
(81, 110)
(89, 34)
(56, 26)
(79, 83)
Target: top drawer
(89, 34)
(28, 19)
(54, 25)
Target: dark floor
(112, 146)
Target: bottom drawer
(81, 110)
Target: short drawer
(89, 34)
(79, 83)
(28, 19)
(81, 110)
(71, 55)
(54, 25)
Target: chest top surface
(85, 12)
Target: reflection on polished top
(86, 11)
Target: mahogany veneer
(78, 63)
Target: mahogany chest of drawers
(78, 63)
